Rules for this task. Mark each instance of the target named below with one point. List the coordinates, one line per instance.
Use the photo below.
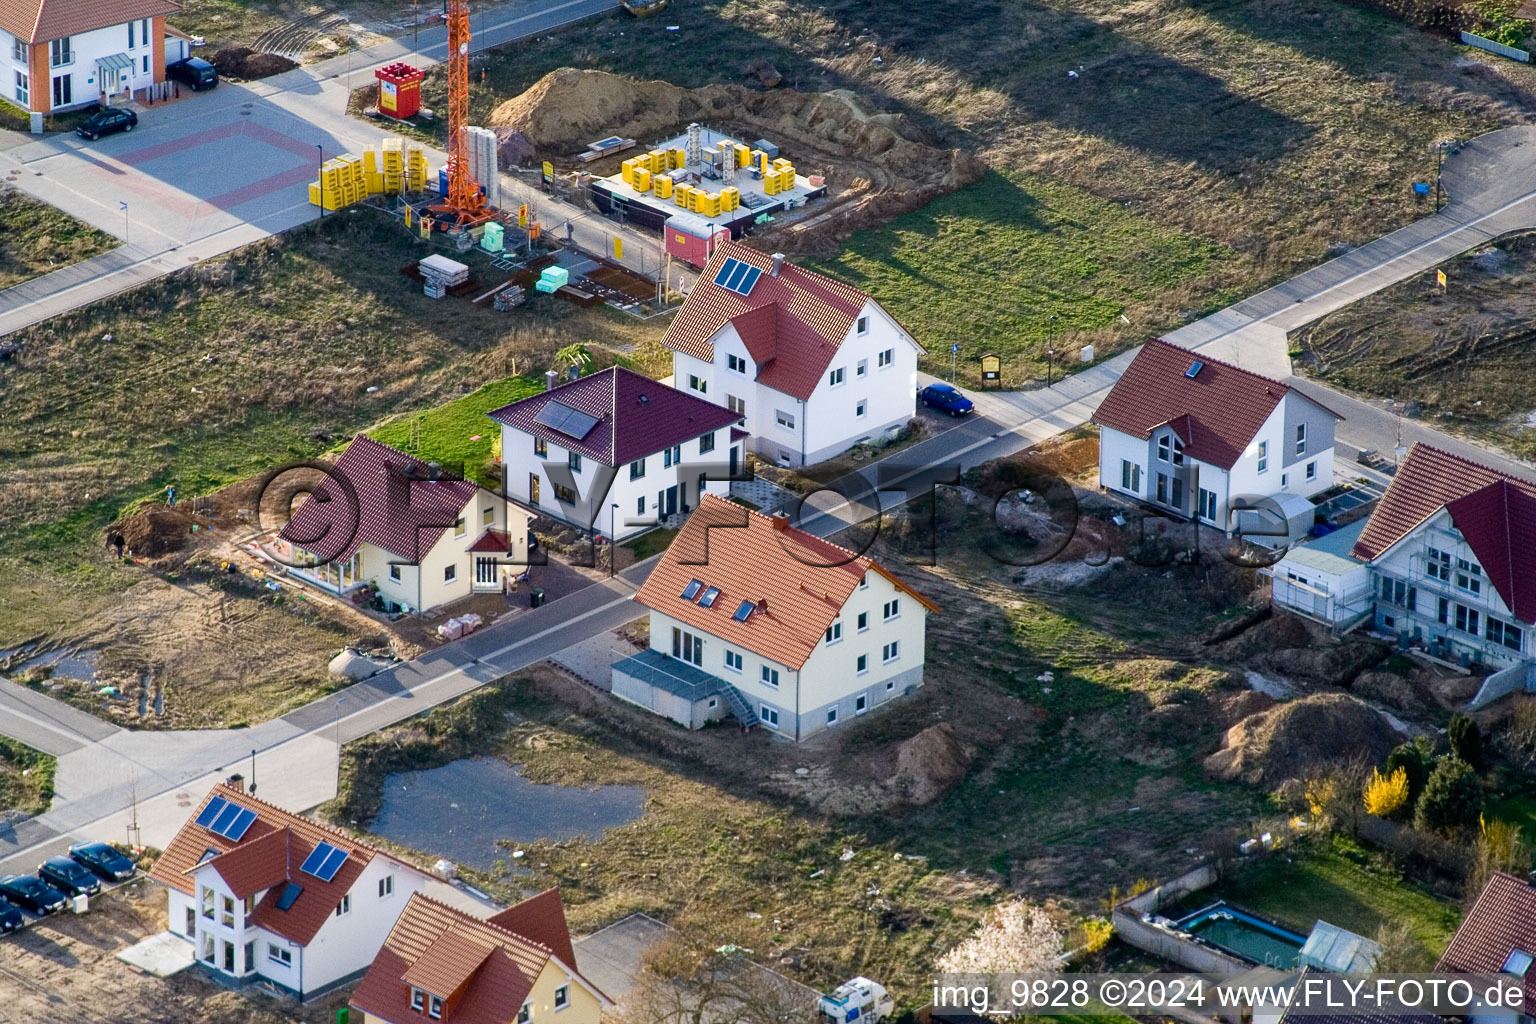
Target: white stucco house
(421, 537)
(59, 54)
(812, 365)
(1447, 558)
(1188, 433)
(263, 894)
(752, 617)
(616, 453)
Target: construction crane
(464, 206)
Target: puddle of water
(69, 664)
(1270, 687)
(13, 651)
(458, 811)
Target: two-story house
(753, 617)
(440, 964)
(421, 537)
(1450, 553)
(1189, 434)
(58, 54)
(1498, 937)
(615, 452)
(263, 894)
(812, 365)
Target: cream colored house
(388, 520)
(441, 964)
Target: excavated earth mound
(1291, 740)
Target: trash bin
(536, 598)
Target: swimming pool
(1244, 935)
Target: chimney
(236, 782)
(780, 521)
(762, 606)
(575, 371)
(551, 379)
(434, 471)
(778, 263)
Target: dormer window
(434, 1008)
(418, 999)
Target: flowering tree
(1385, 795)
(1015, 938)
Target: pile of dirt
(156, 531)
(513, 149)
(244, 62)
(1300, 652)
(877, 164)
(929, 763)
(1289, 741)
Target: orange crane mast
(464, 205)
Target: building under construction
(700, 186)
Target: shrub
(1414, 760)
(1386, 795)
(1097, 932)
(1466, 740)
(1499, 847)
(1453, 797)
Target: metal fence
(1483, 43)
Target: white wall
(1333, 598)
(88, 47)
(827, 423)
(348, 944)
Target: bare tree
(686, 982)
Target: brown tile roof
(1494, 511)
(39, 21)
(542, 919)
(396, 507)
(1216, 414)
(490, 968)
(792, 324)
(1501, 921)
(803, 579)
(636, 416)
(493, 540)
(315, 903)
(256, 864)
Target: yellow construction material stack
(662, 186)
(642, 182)
(743, 155)
(786, 178)
(771, 182)
(392, 166)
(761, 160)
(627, 172)
(682, 196)
(780, 162)
(372, 172)
(679, 158)
(661, 163)
(709, 204)
(354, 183)
(730, 198)
(415, 167)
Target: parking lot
(31, 918)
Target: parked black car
(106, 121)
(68, 877)
(10, 918)
(194, 72)
(31, 892)
(103, 859)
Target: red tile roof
(792, 324)
(433, 946)
(1216, 414)
(542, 919)
(1494, 511)
(804, 580)
(390, 503)
(493, 540)
(257, 856)
(636, 416)
(38, 21)
(1501, 921)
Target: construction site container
(663, 187)
(688, 237)
(730, 197)
(767, 147)
(682, 196)
(642, 180)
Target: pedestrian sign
(955, 347)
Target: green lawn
(1342, 883)
(26, 778)
(1036, 249)
(458, 433)
(1518, 809)
(652, 543)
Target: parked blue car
(104, 860)
(10, 918)
(946, 398)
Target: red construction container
(399, 89)
(689, 238)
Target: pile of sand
(929, 763)
(877, 164)
(156, 531)
(1290, 741)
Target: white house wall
(88, 48)
(346, 945)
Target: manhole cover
(245, 113)
(247, 106)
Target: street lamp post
(1050, 351)
(320, 148)
(337, 721)
(613, 534)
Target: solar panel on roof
(324, 861)
(289, 895)
(561, 417)
(737, 276)
(231, 821)
(215, 806)
(226, 818)
(235, 830)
